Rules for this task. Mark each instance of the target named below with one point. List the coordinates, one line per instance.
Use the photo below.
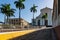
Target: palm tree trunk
(19, 16)
(4, 19)
(7, 19)
(33, 19)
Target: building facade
(15, 21)
(56, 18)
(44, 21)
(56, 13)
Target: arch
(38, 22)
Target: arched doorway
(46, 22)
(38, 22)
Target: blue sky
(25, 13)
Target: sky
(25, 13)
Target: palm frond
(21, 0)
(3, 5)
(15, 2)
(22, 6)
(33, 9)
(19, 4)
(8, 6)
(5, 9)
(44, 16)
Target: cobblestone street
(45, 34)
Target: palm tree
(33, 9)
(20, 5)
(10, 13)
(3, 11)
(44, 17)
(7, 11)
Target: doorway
(38, 22)
(46, 22)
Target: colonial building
(44, 21)
(15, 21)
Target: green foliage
(5, 9)
(33, 9)
(44, 16)
(19, 4)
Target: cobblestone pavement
(44, 34)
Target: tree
(20, 5)
(10, 13)
(33, 9)
(3, 10)
(44, 17)
(6, 10)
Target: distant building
(41, 21)
(15, 21)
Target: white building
(41, 21)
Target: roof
(46, 8)
(16, 18)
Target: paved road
(44, 34)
